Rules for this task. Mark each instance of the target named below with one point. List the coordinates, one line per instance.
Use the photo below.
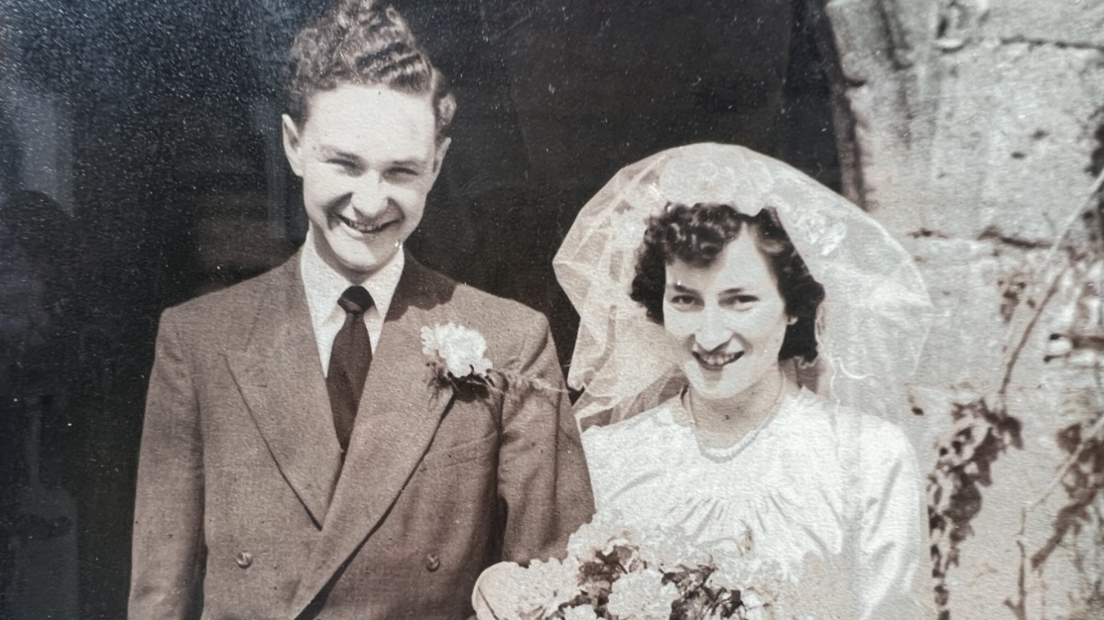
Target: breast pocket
(480, 449)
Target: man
(319, 441)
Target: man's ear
(439, 156)
(293, 145)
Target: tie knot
(355, 300)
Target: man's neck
(322, 281)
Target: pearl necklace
(727, 453)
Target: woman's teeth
(717, 360)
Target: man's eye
(344, 164)
(402, 173)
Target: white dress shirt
(324, 287)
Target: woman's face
(728, 318)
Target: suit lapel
(281, 380)
(399, 413)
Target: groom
(306, 451)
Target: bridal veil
(870, 329)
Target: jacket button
(245, 559)
(432, 562)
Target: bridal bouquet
(615, 573)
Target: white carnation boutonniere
(457, 355)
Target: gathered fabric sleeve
(168, 513)
(890, 526)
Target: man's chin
(365, 267)
(364, 261)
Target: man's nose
(712, 333)
(369, 197)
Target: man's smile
(365, 227)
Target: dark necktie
(350, 358)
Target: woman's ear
(293, 145)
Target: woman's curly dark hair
(697, 234)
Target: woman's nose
(369, 197)
(712, 333)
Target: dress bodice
(818, 480)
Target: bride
(745, 338)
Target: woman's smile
(729, 319)
(716, 361)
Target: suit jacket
(245, 510)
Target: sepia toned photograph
(552, 310)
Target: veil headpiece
(870, 328)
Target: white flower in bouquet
(670, 549)
(553, 584)
(532, 593)
(602, 535)
(754, 607)
(582, 612)
(642, 595)
(749, 573)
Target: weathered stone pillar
(973, 129)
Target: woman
(773, 325)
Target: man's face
(367, 156)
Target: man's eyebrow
(678, 288)
(329, 151)
(412, 162)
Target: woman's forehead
(740, 265)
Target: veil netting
(870, 328)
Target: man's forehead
(354, 117)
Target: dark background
(175, 184)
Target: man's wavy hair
(697, 234)
(362, 42)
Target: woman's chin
(710, 384)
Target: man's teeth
(718, 359)
(363, 228)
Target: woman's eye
(742, 300)
(683, 300)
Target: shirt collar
(324, 285)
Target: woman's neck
(726, 421)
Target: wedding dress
(819, 485)
(831, 493)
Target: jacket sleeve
(542, 473)
(168, 514)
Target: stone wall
(974, 130)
